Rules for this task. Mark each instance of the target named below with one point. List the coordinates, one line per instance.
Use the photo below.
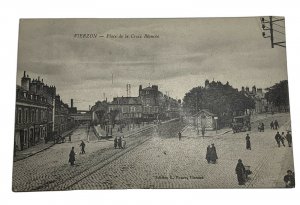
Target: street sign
(215, 118)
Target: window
(132, 109)
(32, 116)
(19, 115)
(26, 116)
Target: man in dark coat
(289, 179)
(115, 142)
(282, 138)
(272, 125)
(277, 138)
(213, 154)
(248, 143)
(179, 135)
(240, 172)
(82, 145)
(208, 151)
(72, 156)
(276, 124)
(289, 138)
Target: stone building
(156, 105)
(126, 109)
(150, 97)
(40, 113)
(258, 96)
(34, 112)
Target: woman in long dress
(72, 156)
(240, 172)
(213, 154)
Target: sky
(187, 52)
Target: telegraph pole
(271, 32)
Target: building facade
(258, 96)
(34, 112)
(126, 110)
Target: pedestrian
(272, 125)
(208, 151)
(116, 142)
(240, 172)
(72, 156)
(289, 179)
(179, 136)
(82, 145)
(276, 124)
(123, 142)
(289, 138)
(119, 142)
(203, 131)
(70, 137)
(282, 138)
(277, 138)
(262, 126)
(248, 143)
(213, 154)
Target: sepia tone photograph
(182, 103)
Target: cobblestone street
(170, 163)
(157, 159)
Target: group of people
(274, 125)
(72, 153)
(119, 142)
(280, 138)
(211, 154)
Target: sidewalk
(37, 148)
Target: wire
(279, 25)
(279, 32)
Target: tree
(278, 94)
(114, 114)
(218, 98)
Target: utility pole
(274, 32)
(271, 32)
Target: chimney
(72, 103)
(25, 82)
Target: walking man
(82, 145)
(179, 136)
(240, 172)
(203, 131)
(276, 124)
(272, 125)
(289, 138)
(72, 156)
(282, 138)
(277, 138)
(248, 143)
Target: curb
(34, 153)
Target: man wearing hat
(289, 179)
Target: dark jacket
(72, 156)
